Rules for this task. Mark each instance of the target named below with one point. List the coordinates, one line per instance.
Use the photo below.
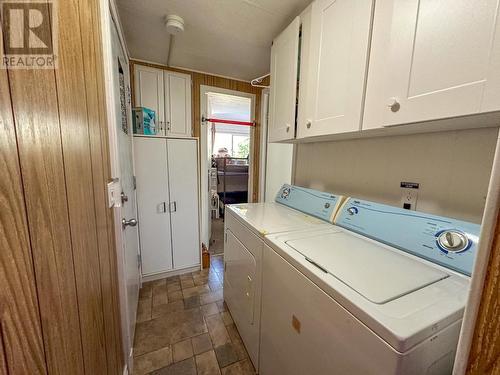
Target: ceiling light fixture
(174, 25)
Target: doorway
(227, 142)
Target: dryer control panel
(448, 242)
(312, 202)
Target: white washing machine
(245, 227)
(382, 292)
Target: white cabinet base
(163, 275)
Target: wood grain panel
(199, 79)
(61, 136)
(94, 79)
(75, 137)
(38, 134)
(21, 343)
(484, 356)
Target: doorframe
(264, 114)
(481, 263)
(205, 89)
(109, 18)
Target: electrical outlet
(409, 199)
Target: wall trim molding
(173, 67)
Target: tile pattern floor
(184, 328)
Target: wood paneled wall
(199, 79)
(60, 312)
(484, 356)
(21, 346)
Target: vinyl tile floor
(184, 328)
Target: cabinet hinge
(134, 182)
(139, 260)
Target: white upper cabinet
(169, 95)
(178, 104)
(336, 68)
(149, 92)
(283, 95)
(432, 59)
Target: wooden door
(340, 32)
(149, 93)
(184, 203)
(431, 60)
(150, 155)
(283, 97)
(178, 104)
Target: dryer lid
(375, 272)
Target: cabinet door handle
(161, 208)
(393, 104)
(173, 206)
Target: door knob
(130, 223)
(308, 124)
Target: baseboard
(162, 275)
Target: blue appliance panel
(448, 242)
(312, 202)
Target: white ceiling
(223, 37)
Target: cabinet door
(432, 59)
(183, 178)
(303, 107)
(283, 96)
(150, 155)
(149, 93)
(178, 104)
(340, 31)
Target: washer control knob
(352, 210)
(453, 241)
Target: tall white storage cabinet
(431, 60)
(169, 95)
(167, 203)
